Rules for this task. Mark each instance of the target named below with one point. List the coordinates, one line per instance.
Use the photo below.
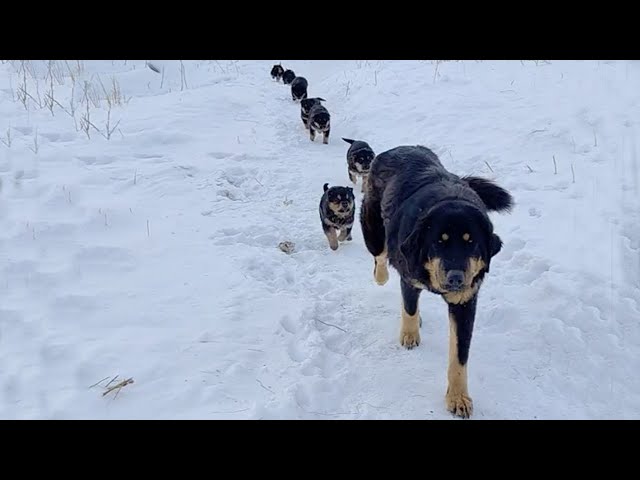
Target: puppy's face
(277, 71)
(341, 200)
(362, 160)
(321, 122)
(451, 248)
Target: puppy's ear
(325, 187)
(321, 99)
(350, 189)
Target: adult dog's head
(450, 248)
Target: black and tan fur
(359, 158)
(299, 87)
(276, 72)
(305, 107)
(288, 76)
(433, 228)
(319, 122)
(337, 214)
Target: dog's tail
(321, 99)
(494, 197)
(348, 140)
(325, 187)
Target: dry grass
(115, 387)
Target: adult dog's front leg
(410, 327)
(461, 320)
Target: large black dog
(432, 227)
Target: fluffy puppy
(299, 88)
(337, 214)
(305, 106)
(319, 122)
(288, 76)
(276, 72)
(359, 158)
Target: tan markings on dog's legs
(458, 400)
(410, 329)
(352, 177)
(380, 271)
(333, 239)
(363, 189)
(343, 234)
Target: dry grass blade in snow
(117, 387)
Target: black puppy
(288, 76)
(276, 72)
(434, 229)
(359, 158)
(319, 121)
(299, 88)
(337, 212)
(305, 107)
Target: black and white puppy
(288, 76)
(299, 88)
(337, 213)
(305, 107)
(276, 72)
(319, 122)
(359, 158)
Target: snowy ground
(153, 254)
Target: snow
(153, 255)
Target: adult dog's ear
(496, 244)
(411, 248)
(494, 247)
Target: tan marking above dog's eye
(445, 237)
(466, 237)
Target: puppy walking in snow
(288, 76)
(276, 72)
(337, 213)
(359, 158)
(299, 87)
(319, 122)
(305, 108)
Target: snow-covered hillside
(153, 254)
